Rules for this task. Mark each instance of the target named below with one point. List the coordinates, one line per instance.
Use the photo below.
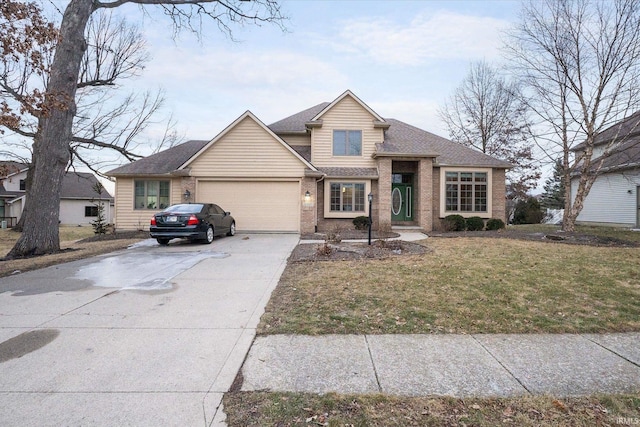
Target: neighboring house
(614, 199)
(314, 170)
(78, 199)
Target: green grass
(465, 285)
(298, 409)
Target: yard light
(370, 197)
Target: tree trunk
(51, 152)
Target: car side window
(218, 209)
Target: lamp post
(370, 197)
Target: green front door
(401, 202)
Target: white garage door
(256, 205)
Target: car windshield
(186, 208)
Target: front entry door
(401, 202)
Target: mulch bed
(132, 234)
(379, 249)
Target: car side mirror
(227, 213)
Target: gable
(247, 148)
(346, 114)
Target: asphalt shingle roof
(350, 172)
(626, 156)
(161, 163)
(402, 138)
(295, 123)
(79, 185)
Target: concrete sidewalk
(446, 365)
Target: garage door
(256, 205)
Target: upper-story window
(347, 143)
(23, 185)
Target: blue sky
(403, 58)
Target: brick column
(383, 198)
(425, 194)
(187, 183)
(498, 195)
(308, 207)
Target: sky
(402, 58)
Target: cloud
(441, 35)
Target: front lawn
(464, 285)
(299, 409)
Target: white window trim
(443, 193)
(328, 213)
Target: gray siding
(612, 199)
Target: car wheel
(163, 242)
(209, 237)
(232, 229)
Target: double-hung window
(151, 194)
(347, 143)
(347, 197)
(466, 191)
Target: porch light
(307, 197)
(370, 198)
(187, 195)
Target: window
(91, 211)
(347, 143)
(151, 194)
(347, 197)
(466, 191)
(23, 185)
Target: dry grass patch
(298, 409)
(73, 249)
(465, 285)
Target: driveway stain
(144, 271)
(26, 343)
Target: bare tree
(486, 112)
(580, 62)
(52, 142)
(115, 51)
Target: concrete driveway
(148, 336)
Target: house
(614, 198)
(78, 199)
(314, 170)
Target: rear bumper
(177, 233)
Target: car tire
(163, 242)
(210, 236)
(232, 229)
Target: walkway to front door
(402, 197)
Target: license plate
(172, 218)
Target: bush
(528, 212)
(361, 222)
(475, 223)
(495, 224)
(454, 223)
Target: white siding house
(614, 198)
(78, 199)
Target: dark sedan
(193, 221)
